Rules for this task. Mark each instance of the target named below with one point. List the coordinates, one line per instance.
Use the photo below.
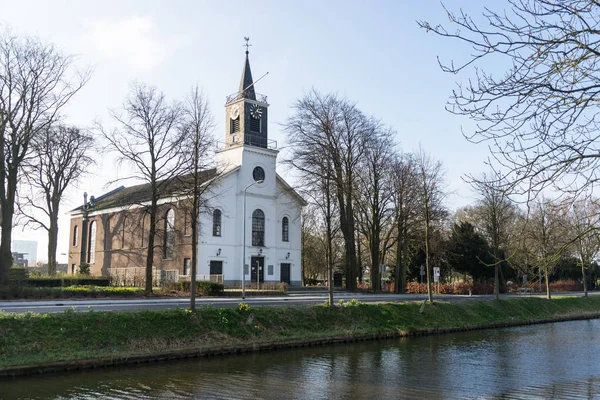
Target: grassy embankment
(72, 340)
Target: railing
(218, 278)
(261, 98)
(136, 276)
(252, 140)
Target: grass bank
(32, 343)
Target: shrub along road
(113, 304)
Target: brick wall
(122, 240)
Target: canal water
(553, 361)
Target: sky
(371, 52)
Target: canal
(553, 361)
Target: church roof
(246, 83)
(290, 190)
(138, 194)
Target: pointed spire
(246, 84)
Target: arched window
(92, 244)
(285, 229)
(169, 243)
(144, 229)
(187, 223)
(217, 223)
(123, 230)
(258, 228)
(75, 234)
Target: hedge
(68, 281)
(203, 288)
(17, 274)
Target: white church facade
(251, 217)
(272, 226)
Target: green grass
(39, 338)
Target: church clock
(256, 111)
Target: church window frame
(169, 235)
(285, 229)
(217, 223)
(124, 232)
(258, 228)
(91, 258)
(145, 218)
(75, 235)
(255, 125)
(187, 223)
(234, 125)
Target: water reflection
(534, 362)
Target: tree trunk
(150, 252)
(52, 244)
(429, 288)
(399, 286)
(329, 244)
(194, 216)
(7, 211)
(5, 251)
(359, 262)
(583, 278)
(496, 275)
(329, 261)
(376, 278)
(548, 294)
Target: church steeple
(246, 83)
(246, 112)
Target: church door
(257, 265)
(285, 273)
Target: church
(251, 232)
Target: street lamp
(244, 240)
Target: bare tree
(320, 189)
(327, 137)
(149, 140)
(583, 219)
(374, 197)
(197, 128)
(495, 214)
(431, 196)
(539, 117)
(406, 210)
(314, 244)
(548, 228)
(61, 156)
(35, 84)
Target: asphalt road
(61, 305)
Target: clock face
(256, 111)
(235, 112)
(258, 174)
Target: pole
(244, 241)
(257, 275)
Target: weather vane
(247, 39)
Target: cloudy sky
(371, 52)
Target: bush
(84, 269)
(68, 281)
(17, 274)
(462, 288)
(566, 286)
(203, 288)
(27, 292)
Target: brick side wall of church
(122, 240)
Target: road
(61, 305)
